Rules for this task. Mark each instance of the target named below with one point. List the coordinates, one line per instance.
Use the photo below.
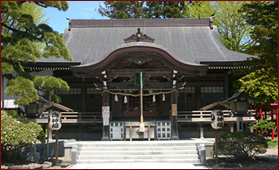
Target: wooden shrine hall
(184, 67)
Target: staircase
(137, 151)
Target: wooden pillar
(79, 131)
(226, 81)
(201, 131)
(83, 99)
(198, 96)
(231, 126)
(174, 124)
(105, 127)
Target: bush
(241, 145)
(263, 126)
(17, 132)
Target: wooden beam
(131, 72)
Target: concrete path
(140, 166)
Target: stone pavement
(140, 166)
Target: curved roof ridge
(138, 44)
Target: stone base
(33, 157)
(174, 138)
(105, 139)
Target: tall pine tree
(122, 9)
(22, 36)
(164, 9)
(261, 81)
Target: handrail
(199, 114)
(74, 116)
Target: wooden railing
(74, 117)
(200, 116)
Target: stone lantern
(239, 104)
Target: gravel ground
(269, 160)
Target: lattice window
(92, 91)
(71, 91)
(212, 93)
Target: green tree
(198, 9)
(262, 16)
(259, 85)
(49, 85)
(263, 126)
(142, 9)
(164, 9)
(24, 38)
(232, 27)
(122, 9)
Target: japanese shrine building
(184, 64)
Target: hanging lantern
(154, 98)
(116, 98)
(125, 99)
(164, 98)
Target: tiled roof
(189, 40)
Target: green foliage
(260, 86)
(23, 89)
(232, 27)
(272, 143)
(17, 132)
(241, 145)
(196, 9)
(142, 9)
(164, 9)
(25, 37)
(262, 16)
(261, 80)
(122, 9)
(263, 126)
(49, 84)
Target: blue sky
(77, 10)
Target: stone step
(131, 148)
(138, 152)
(145, 157)
(133, 144)
(139, 161)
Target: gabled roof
(55, 106)
(216, 105)
(242, 96)
(226, 104)
(192, 41)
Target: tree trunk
(49, 97)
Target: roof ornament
(139, 37)
(211, 22)
(69, 28)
